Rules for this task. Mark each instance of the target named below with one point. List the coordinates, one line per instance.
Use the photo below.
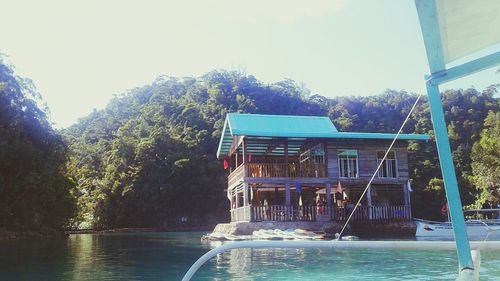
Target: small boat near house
(478, 229)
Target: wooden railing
(277, 170)
(312, 170)
(240, 214)
(390, 212)
(290, 170)
(310, 213)
(235, 175)
(283, 213)
(363, 213)
(266, 170)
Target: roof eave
(355, 135)
(226, 122)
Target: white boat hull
(476, 230)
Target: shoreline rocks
(363, 229)
(247, 228)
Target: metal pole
(246, 203)
(287, 168)
(328, 194)
(449, 177)
(369, 202)
(287, 201)
(328, 191)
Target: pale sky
(80, 53)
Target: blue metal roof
(280, 125)
(380, 136)
(295, 128)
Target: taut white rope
(379, 165)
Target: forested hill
(149, 156)
(35, 191)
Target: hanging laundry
(298, 189)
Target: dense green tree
(34, 189)
(148, 158)
(486, 161)
(145, 158)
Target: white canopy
(454, 29)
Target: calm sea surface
(167, 256)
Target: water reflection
(167, 256)
(341, 264)
(97, 257)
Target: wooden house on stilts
(301, 168)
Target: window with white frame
(389, 168)
(348, 163)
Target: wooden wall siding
(367, 158)
(402, 156)
(333, 161)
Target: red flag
(226, 165)
(339, 188)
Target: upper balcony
(277, 170)
(261, 147)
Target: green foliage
(149, 157)
(465, 111)
(34, 189)
(486, 161)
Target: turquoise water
(167, 256)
